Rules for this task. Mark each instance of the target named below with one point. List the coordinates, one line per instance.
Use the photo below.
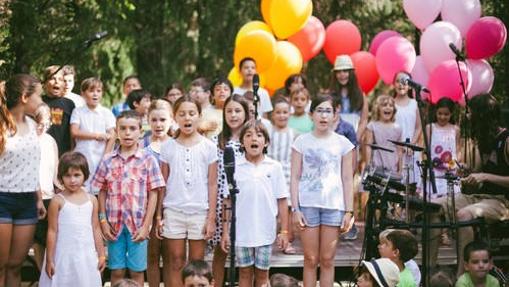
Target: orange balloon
(249, 27)
(287, 17)
(288, 61)
(265, 9)
(259, 45)
(235, 77)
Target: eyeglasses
(324, 112)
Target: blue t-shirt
(346, 129)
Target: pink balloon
(419, 72)
(380, 38)
(422, 12)
(482, 77)
(461, 13)
(444, 81)
(341, 37)
(485, 38)
(435, 43)
(394, 55)
(309, 39)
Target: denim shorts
(124, 253)
(257, 256)
(316, 216)
(18, 208)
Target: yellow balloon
(235, 77)
(265, 9)
(288, 61)
(249, 27)
(259, 45)
(287, 17)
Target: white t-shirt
(19, 163)
(265, 104)
(187, 187)
(98, 120)
(406, 116)
(260, 186)
(49, 161)
(76, 99)
(320, 184)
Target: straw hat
(343, 62)
(384, 271)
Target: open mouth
(387, 113)
(188, 125)
(324, 122)
(254, 146)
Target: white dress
(75, 255)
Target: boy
(400, 246)
(478, 263)
(61, 108)
(139, 100)
(247, 68)
(210, 118)
(197, 273)
(130, 83)
(300, 120)
(128, 180)
(93, 127)
(263, 195)
(69, 74)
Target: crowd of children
(148, 178)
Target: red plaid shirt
(127, 183)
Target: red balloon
(341, 37)
(380, 38)
(309, 39)
(444, 81)
(485, 38)
(365, 70)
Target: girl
(280, 147)
(75, 251)
(220, 89)
(190, 167)
(300, 119)
(159, 117)
(379, 131)
(321, 191)
(381, 272)
(173, 92)
(235, 115)
(20, 199)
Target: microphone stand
(233, 198)
(466, 121)
(256, 100)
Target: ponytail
(7, 124)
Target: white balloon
(482, 77)
(419, 72)
(422, 12)
(461, 13)
(435, 42)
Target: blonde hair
(379, 102)
(91, 82)
(159, 104)
(50, 71)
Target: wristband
(283, 232)
(293, 209)
(102, 216)
(350, 212)
(102, 258)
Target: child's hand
(41, 210)
(50, 269)
(101, 263)
(299, 220)
(282, 241)
(225, 242)
(209, 229)
(157, 229)
(347, 223)
(140, 234)
(107, 231)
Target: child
(262, 197)
(221, 89)
(280, 147)
(189, 163)
(379, 131)
(283, 280)
(128, 180)
(173, 92)
(69, 74)
(478, 263)
(126, 283)
(160, 119)
(300, 120)
(93, 127)
(294, 82)
(197, 273)
(247, 68)
(441, 278)
(321, 191)
(130, 83)
(61, 108)
(235, 115)
(399, 246)
(75, 251)
(249, 98)
(139, 101)
(387, 276)
(210, 119)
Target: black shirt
(60, 130)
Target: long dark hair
(226, 133)
(354, 92)
(485, 121)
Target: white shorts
(179, 225)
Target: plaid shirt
(127, 183)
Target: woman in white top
(20, 197)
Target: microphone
(229, 165)
(96, 37)
(256, 83)
(456, 52)
(414, 85)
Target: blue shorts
(18, 208)
(257, 256)
(124, 253)
(316, 216)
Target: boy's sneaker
(352, 234)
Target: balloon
(288, 61)
(265, 9)
(394, 55)
(485, 38)
(235, 77)
(365, 70)
(444, 81)
(482, 77)
(422, 13)
(461, 13)
(380, 38)
(341, 37)
(309, 39)
(259, 45)
(249, 27)
(419, 72)
(435, 43)
(287, 17)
